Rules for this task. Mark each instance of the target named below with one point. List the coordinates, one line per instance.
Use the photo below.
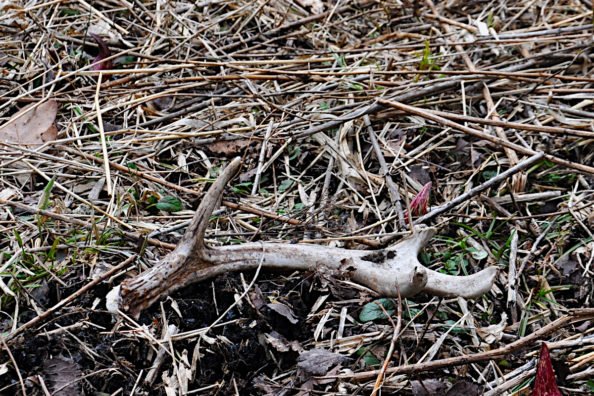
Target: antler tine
(194, 235)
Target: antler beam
(391, 271)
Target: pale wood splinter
(389, 272)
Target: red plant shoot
(419, 204)
(545, 383)
(99, 63)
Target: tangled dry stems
(298, 94)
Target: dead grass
(341, 112)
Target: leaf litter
(288, 86)
(33, 125)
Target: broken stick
(389, 271)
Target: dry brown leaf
(229, 148)
(494, 332)
(13, 15)
(63, 375)
(319, 361)
(465, 388)
(431, 386)
(281, 344)
(316, 6)
(32, 125)
(8, 193)
(284, 311)
(428, 387)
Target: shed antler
(389, 271)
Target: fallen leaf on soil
(308, 386)
(545, 383)
(62, 375)
(319, 361)
(265, 385)
(465, 388)
(162, 102)
(570, 268)
(281, 344)
(107, 30)
(429, 387)
(229, 147)
(33, 125)
(284, 311)
(584, 326)
(13, 15)
(8, 193)
(256, 298)
(41, 294)
(567, 265)
(316, 6)
(494, 332)
(420, 174)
